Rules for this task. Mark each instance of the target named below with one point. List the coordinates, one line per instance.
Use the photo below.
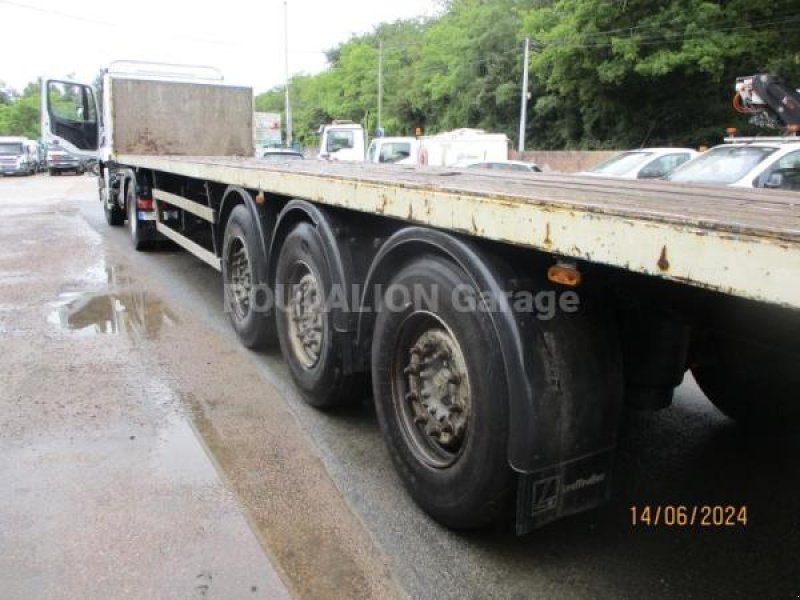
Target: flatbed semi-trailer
(499, 322)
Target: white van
(394, 150)
(462, 145)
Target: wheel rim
(305, 315)
(240, 278)
(431, 392)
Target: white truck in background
(462, 145)
(342, 141)
(18, 156)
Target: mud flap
(563, 490)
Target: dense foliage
(19, 113)
(604, 73)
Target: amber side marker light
(564, 274)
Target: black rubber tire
(52, 172)
(754, 385)
(256, 328)
(474, 490)
(139, 241)
(323, 384)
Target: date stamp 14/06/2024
(683, 515)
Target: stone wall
(565, 161)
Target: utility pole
(286, 58)
(380, 82)
(524, 103)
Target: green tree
(20, 115)
(634, 72)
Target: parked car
(17, 156)
(500, 165)
(60, 160)
(281, 154)
(645, 163)
(393, 150)
(757, 164)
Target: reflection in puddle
(133, 313)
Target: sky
(244, 39)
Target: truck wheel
(137, 235)
(752, 384)
(309, 343)
(51, 172)
(243, 273)
(441, 398)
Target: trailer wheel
(752, 384)
(441, 398)
(247, 299)
(140, 242)
(309, 343)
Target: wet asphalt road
(231, 476)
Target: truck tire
(138, 239)
(244, 268)
(309, 343)
(752, 384)
(441, 399)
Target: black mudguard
(564, 378)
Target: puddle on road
(134, 313)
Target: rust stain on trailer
(663, 262)
(384, 201)
(547, 240)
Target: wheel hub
(305, 318)
(438, 389)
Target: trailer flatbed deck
(735, 241)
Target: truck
(461, 146)
(500, 323)
(18, 156)
(342, 140)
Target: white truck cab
(17, 156)
(343, 141)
